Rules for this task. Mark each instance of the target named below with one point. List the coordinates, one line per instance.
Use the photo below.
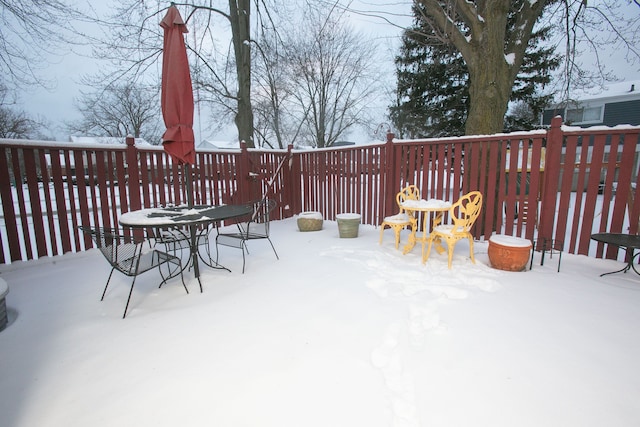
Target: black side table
(543, 244)
(629, 242)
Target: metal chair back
(125, 254)
(257, 227)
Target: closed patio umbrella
(177, 93)
(177, 108)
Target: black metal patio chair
(257, 227)
(177, 240)
(125, 254)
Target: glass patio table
(179, 217)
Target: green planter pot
(310, 221)
(348, 224)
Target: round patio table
(181, 216)
(425, 207)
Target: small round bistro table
(425, 207)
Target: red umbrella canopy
(177, 92)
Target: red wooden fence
(572, 181)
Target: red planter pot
(509, 253)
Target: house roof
(104, 140)
(614, 92)
(209, 144)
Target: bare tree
(134, 43)
(590, 29)
(521, 117)
(120, 110)
(331, 74)
(15, 124)
(30, 33)
(278, 121)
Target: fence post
(133, 176)
(388, 182)
(291, 186)
(243, 178)
(551, 179)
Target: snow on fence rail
(572, 182)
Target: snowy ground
(338, 332)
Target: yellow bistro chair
(462, 214)
(400, 220)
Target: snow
(612, 92)
(311, 215)
(158, 216)
(426, 204)
(348, 216)
(105, 140)
(510, 58)
(337, 332)
(218, 144)
(511, 241)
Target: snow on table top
(427, 204)
(159, 216)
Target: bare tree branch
(120, 110)
(31, 33)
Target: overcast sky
(56, 105)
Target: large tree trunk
(239, 17)
(490, 77)
(493, 60)
(489, 90)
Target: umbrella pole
(188, 184)
(192, 228)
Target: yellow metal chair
(462, 214)
(400, 220)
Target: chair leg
(126, 307)
(171, 275)
(471, 255)
(426, 257)
(273, 247)
(107, 285)
(243, 257)
(450, 247)
(397, 231)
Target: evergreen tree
(432, 89)
(433, 82)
